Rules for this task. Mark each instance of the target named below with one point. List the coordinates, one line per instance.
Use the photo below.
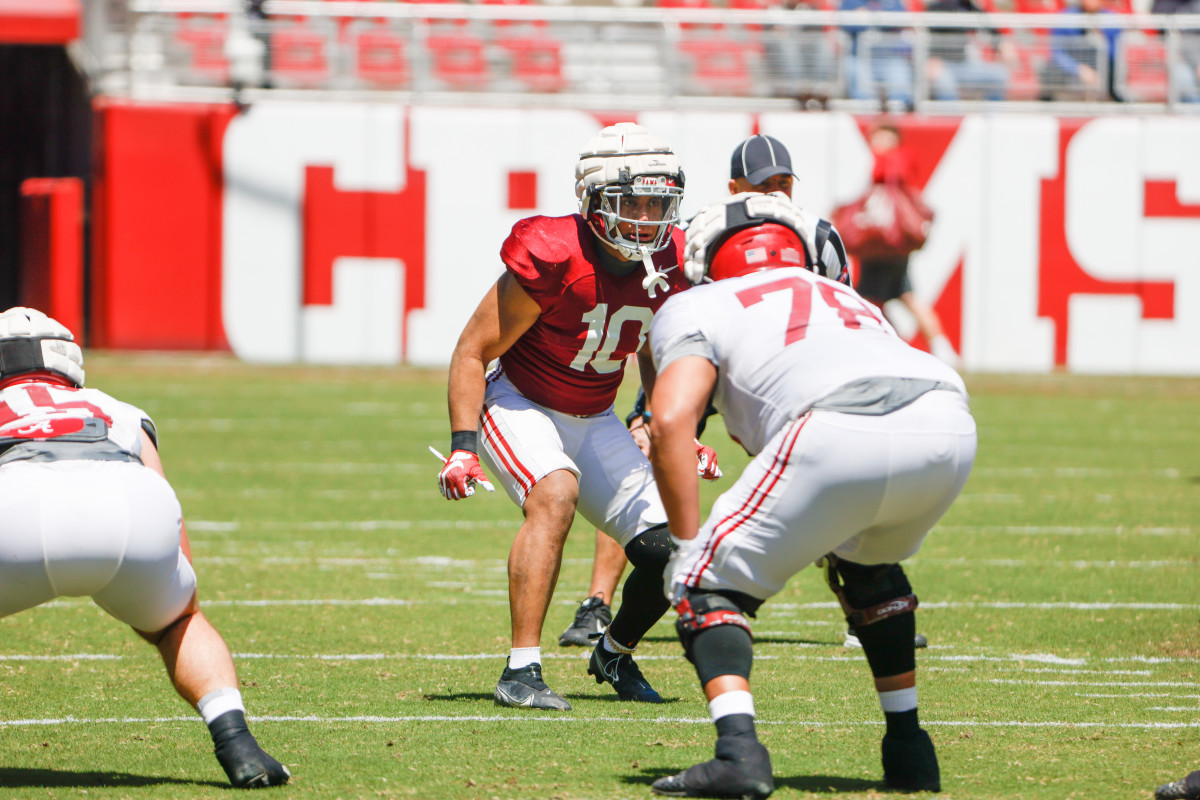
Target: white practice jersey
(783, 340)
(47, 412)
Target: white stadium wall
(343, 233)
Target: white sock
(899, 700)
(218, 702)
(524, 656)
(738, 701)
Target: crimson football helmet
(31, 342)
(628, 175)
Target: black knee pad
(721, 650)
(651, 549)
(700, 611)
(869, 593)
(888, 645)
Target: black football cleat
(524, 688)
(246, 764)
(742, 769)
(592, 617)
(910, 763)
(620, 670)
(1183, 789)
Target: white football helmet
(718, 223)
(32, 342)
(624, 174)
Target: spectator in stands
(956, 57)
(1185, 73)
(880, 59)
(1077, 60)
(881, 280)
(801, 60)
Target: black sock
(736, 725)
(902, 723)
(229, 725)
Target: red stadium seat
(201, 40)
(1142, 74)
(1024, 77)
(536, 62)
(380, 57)
(459, 60)
(718, 65)
(300, 55)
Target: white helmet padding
(627, 161)
(32, 342)
(709, 229)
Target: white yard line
(561, 718)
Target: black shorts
(883, 279)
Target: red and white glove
(706, 462)
(460, 472)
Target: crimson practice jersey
(45, 412)
(571, 360)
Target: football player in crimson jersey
(759, 164)
(86, 510)
(576, 298)
(860, 443)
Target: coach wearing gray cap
(761, 164)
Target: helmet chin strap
(654, 279)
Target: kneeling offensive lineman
(860, 444)
(86, 510)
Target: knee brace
(869, 593)
(700, 611)
(878, 602)
(651, 549)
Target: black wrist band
(464, 440)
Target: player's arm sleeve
(535, 261)
(835, 265)
(674, 334)
(150, 429)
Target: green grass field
(369, 617)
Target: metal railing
(634, 58)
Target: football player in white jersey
(860, 443)
(85, 510)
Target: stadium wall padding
(366, 233)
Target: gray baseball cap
(760, 157)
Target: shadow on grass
(18, 777)
(457, 696)
(768, 639)
(612, 698)
(816, 784)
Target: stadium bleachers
(755, 50)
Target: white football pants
(867, 488)
(105, 529)
(524, 442)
